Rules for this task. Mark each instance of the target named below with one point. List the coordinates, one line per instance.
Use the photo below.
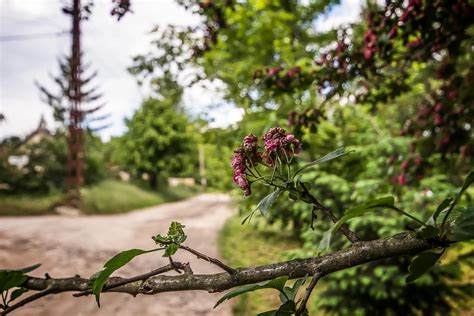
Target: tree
(159, 141)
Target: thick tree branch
(123, 281)
(359, 253)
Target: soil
(66, 246)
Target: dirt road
(81, 245)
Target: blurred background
(107, 107)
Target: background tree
(160, 140)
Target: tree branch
(27, 300)
(123, 281)
(359, 253)
(307, 293)
(211, 260)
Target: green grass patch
(250, 245)
(107, 197)
(18, 205)
(111, 197)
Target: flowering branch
(277, 153)
(362, 252)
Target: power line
(23, 37)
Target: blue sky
(109, 46)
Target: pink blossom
(250, 142)
(404, 165)
(293, 72)
(402, 179)
(237, 160)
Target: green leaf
(11, 278)
(332, 155)
(171, 250)
(17, 293)
(115, 263)
(268, 313)
(463, 226)
(358, 210)
(467, 182)
(278, 284)
(422, 263)
(290, 292)
(427, 232)
(287, 309)
(176, 232)
(443, 206)
(453, 214)
(372, 205)
(266, 203)
(173, 240)
(326, 240)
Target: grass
(107, 197)
(248, 245)
(18, 205)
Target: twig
(141, 277)
(211, 260)
(307, 293)
(27, 300)
(176, 265)
(352, 236)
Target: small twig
(307, 293)
(27, 300)
(211, 260)
(352, 236)
(141, 277)
(176, 265)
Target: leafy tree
(47, 161)
(159, 141)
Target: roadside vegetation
(106, 197)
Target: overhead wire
(23, 37)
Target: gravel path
(81, 245)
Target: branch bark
(358, 253)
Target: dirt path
(81, 245)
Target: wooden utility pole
(72, 103)
(75, 164)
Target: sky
(108, 46)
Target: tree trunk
(153, 181)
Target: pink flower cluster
(276, 143)
(276, 140)
(240, 177)
(370, 44)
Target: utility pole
(75, 164)
(72, 102)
